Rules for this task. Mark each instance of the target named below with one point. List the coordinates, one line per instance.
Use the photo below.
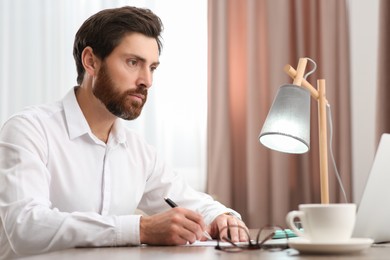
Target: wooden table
(198, 253)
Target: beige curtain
(250, 41)
(383, 94)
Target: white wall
(37, 66)
(364, 18)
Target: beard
(118, 103)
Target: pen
(174, 205)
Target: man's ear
(89, 61)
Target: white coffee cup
(324, 223)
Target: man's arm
(164, 182)
(30, 224)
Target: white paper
(281, 241)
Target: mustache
(139, 90)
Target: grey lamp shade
(287, 126)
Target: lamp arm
(319, 95)
(300, 71)
(323, 142)
(292, 73)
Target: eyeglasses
(264, 234)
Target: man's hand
(224, 220)
(173, 227)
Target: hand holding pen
(178, 226)
(174, 205)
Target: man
(72, 175)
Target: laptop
(373, 213)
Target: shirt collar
(75, 120)
(78, 125)
(118, 132)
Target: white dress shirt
(62, 187)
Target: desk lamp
(287, 126)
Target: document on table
(211, 243)
(215, 242)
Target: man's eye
(153, 68)
(132, 62)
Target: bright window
(37, 66)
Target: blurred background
(37, 66)
(181, 118)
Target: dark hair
(104, 31)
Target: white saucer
(353, 245)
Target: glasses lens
(225, 243)
(263, 240)
(266, 235)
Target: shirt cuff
(234, 214)
(128, 230)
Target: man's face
(125, 76)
